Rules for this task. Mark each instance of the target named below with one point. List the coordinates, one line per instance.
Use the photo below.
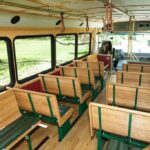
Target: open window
(6, 64)
(33, 56)
(65, 48)
(84, 44)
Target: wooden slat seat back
(127, 96)
(119, 121)
(42, 104)
(98, 67)
(92, 58)
(85, 76)
(9, 110)
(62, 86)
(136, 68)
(133, 78)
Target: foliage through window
(65, 48)
(33, 55)
(5, 78)
(83, 44)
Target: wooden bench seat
(136, 68)
(86, 77)
(97, 67)
(92, 58)
(45, 107)
(129, 126)
(13, 125)
(106, 58)
(66, 89)
(133, 78)
(128, 96)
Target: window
(98, 41)
(33, 55)
(84, 44)
(120, 42)
(65, 48)
(6, 63)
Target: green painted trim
(44, 83)
(50, 107)
(63, 74)
(129, 127)
(89, 78)
(74, 89)
(82, 108)
(31, 103)
(64, 129)
(28, 139)
(76, 64)
(132, 142)
(87, 65)
(100, 119)
(100, 147)
(58, 85)
(140, 79)
(75, 72)
(122, 77)
(114, 95)
(141, 69)
(136, 98)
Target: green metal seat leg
(28, 139)
(63, 130)
(82, 108)
(99, 141)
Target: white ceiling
(76, 9)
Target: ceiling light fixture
(119, 11)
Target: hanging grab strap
(62, 22)
(87, 24)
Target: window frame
(10, 63)
(98, 42)
(75, 48)
(89, 44)
(51, 51)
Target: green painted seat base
(82, 107)
(64, 129)
(15, 129)
(68, 99)
(124, 142)
(63, 109)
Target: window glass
(141, 43)
(83, 44)
(5, 78)
(33, 55)
(120, 41)
(65, 48)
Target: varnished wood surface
(77, 139)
